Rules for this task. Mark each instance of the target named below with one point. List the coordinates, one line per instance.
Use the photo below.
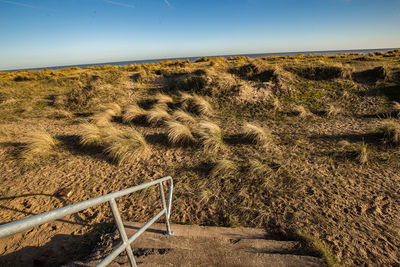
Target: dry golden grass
(111, 108)
(126, 146)
(161, 98)
(333, 110)
(391, 132)
(223, 168)
(362, 156)
(196, 104)
(276, 104)
(183, 117)
(259, 168)
(157, 116)
(40, 144)
(132, 112)
(91, 135)
(179, 133)
(256, 134)
(301, 111)
(396, 107)
(211, 137)
(102, 118)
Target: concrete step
(193, 245)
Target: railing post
(171, 188)
(169, 232)
(121, 230)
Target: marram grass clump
(211, 137)
(126, 146)
(133, 112)
(256, 134)
(179, 134)
(391, 132)
(40, 144)
(223, 168)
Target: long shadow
(381, 115)
(371, 138)
(61, 249)
(160, 139)
(16, 147)
(72, 144)
(237, 139)
(63, 202)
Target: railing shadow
(61, 249)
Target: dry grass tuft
(256, 134)
(91, 135)
(362, 156)
(183, 117)
(333, 110)
(40, 144)
(111, 108)
(161, 98)
(102, 118)
(196, 104)
(396, 107)
(211, 137)
(157, 116)
(391, 132)
(132, 112)
(259, 168)
(178, 133)
(223, 168)
(125, 146)
(276, 104)
(301, 111)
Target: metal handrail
(24, 224)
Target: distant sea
(124, 63)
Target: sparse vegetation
(288, 169)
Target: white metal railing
(24, 224)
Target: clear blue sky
(36, 33)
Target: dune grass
(196, 104)
(179, 134)
(40, 144)
(391, 132)
(184, 117)
(126, 146)
(211, 137)
(256, 134)
(333, 110)
(157, 116)
(223, 168)
(363, 154)
(162, 98)
(301, 111)
(132, 112)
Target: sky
(40, 33)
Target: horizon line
(142, 61)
